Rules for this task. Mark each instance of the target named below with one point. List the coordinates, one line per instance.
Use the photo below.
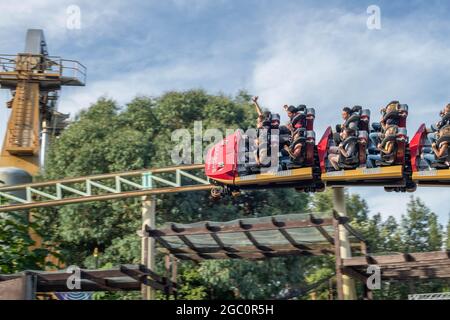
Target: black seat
(439, 165)
(382, 163)
(347, 166)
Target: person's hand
(286, 147)
(379, 146)
(433, 145)
(255, 99)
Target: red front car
(221, 160)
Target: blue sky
(318, 53)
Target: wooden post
(30, 286)
(363, 247)
(148, 243)
(330, 289)
(171, 270)
(337, 252)
(368, 294)
(174, 269)
(342, 242)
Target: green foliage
(106, 138)
(421, 231)
(418, 231)
(15, 243)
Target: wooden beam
(266, 226)
(325, 234)
(355, 274)
(61, 286)
(100, 282)
(337, 252)
(144, 279)
(245, 255)
(314, 249)
(397, 258)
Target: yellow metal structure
(432, 177)
(34, 80)
(279, 177)
(363, 174)
(21, 143)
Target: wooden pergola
(254, 238)
(260, 238)
(27, 284)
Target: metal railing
(39, 64)
(103, 187)
(7, 63)
(73, 69)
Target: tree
(107, 138)
(421, 231)
(434, 233)
(15, 244)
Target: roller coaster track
(110, 186)
(104, 187)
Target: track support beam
(345, 284)
(148, 243)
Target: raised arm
(258, 108)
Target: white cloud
(180, 75)
(329, 59)
(323, 57)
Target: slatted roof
(401, 266)
(252, 238)
(122, 278)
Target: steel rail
(104, 197)
(101, 177)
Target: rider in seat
(351, 117)
(262, 142)
(297, 117)
(345, 156)
(390, 116)
(387, 149)
(440, 158)
(296, 147)
(445, 120)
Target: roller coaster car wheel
(389, 189)
(217, 193)
(235, 193)
(300, 190)
(411, 187)
(320, 187)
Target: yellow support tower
(34, 79)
